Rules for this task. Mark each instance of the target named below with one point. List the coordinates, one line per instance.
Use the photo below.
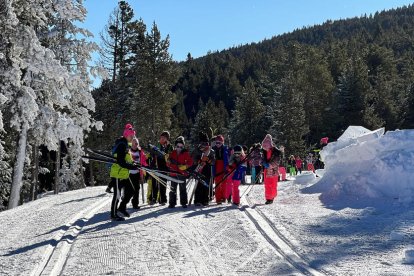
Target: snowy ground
(70, 234)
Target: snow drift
(370, 165)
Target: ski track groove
(292, 257)
(55, 256)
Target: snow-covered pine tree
(50, 90)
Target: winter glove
(167, 156)
(182, 167)
(265, 165)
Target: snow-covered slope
(70, 234)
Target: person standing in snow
(310, 162)
(203, 157)
(136, 177)
(271, 158)
(219, 168)
(160, 163)
(120, 170)
(292, 165)
(298, 162)
(238, 164)
(179, 160)
(255, 162)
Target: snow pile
(409, 256)
(396, 236)
(371, 165)
(305, 178)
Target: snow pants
(201, 194)
(130, 188)
(311, 167)
(118, 189)
(183, 193)
(229, 186)
(221, 189)
(270, 184)
(136, 181)
(236, 192)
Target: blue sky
(197, 26)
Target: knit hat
(238, 149)
(267, 142)
(179, 140)
(203, 137)
(220, 138)
(166, 134)
(129, 130)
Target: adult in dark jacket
(160, 163)
(120, 170)
(203, 157)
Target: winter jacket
(123, 163)
(240, 168)
(273, 160)
(158, 160)
(298, 163)
(221, 153)
(256, 158)
(177, 159)
(138, 156)
(206, 165)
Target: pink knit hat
(129, 130)
(267, 142)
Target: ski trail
(276, 240)
(56, 255)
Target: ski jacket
(206, 165)
(256, 158)
(138, 156)
(159, 161)
(123, 164)
(180, 159)
(241, 167)
(272, 157)
(298, 163)
(223, 154)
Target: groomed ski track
(217, 240)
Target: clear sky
(197, 26)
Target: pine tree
(246, 125)
(152, 99)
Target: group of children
(216, 169)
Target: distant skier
(219, 170)
(160, 163)
(255, 162)
(299, 164)
(120, 171)
(271, 158)
(292, 165)
(237, 164)
(179, 160)
(203, 157)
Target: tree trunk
(35, 173)
(91, 180)
(57, 171)
(18, 168)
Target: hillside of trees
(300, 86)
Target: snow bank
(371, 165)
(305, 177)
(409, 256)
